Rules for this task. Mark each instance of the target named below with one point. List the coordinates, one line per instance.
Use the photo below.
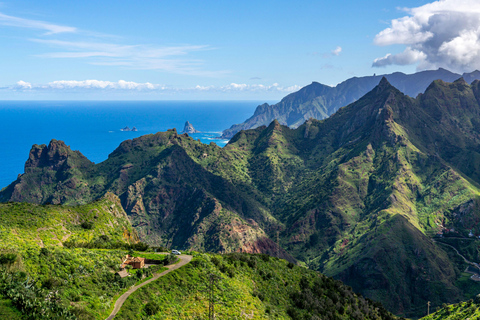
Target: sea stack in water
(189, 128)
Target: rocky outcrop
(52, 156)
(188, 128)
(59, 171)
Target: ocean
(93, 127)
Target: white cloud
(443, 33)
(23, 85)
(327, 55)
(34, 24)
(409, 56)
(337, 51)
(122, 85)
(98, 84)
(144, 57)
(256, 88)
(88, 48)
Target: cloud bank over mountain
(439, 34)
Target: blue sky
(221, 50)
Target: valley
(358, 196)
(240, 160)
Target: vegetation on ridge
(43, 279)
(253, 286)
(377, 179)
(319, 101)
(464, 310)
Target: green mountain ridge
(155, 168)
(52, 267)
(357, 196)
(319, 101)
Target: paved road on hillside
(184, 259)
(464, 259)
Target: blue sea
(93, 127)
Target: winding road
(184, 259)
(464, 259)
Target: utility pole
(212, 279)
(428, 308)
(278, 244)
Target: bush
(44, 252)
(140, 246)
(151, 308)
(215, 261)
(252, 263)
(88, 225)
(8, 258)
(171, 258)
(50, 283)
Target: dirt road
(184, 259)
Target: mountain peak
(384, 83)
(460, 80)
(275, 125)
(383, 86)
(321, 101)
(53, 155)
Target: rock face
(188, 128)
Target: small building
(123, 273)
(135, 262)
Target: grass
(335, 190)
(8, 311)
(461, 311)
(256, 286)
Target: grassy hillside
(252, 286)
(59, 262)
(464, 310)
(48, 261)
(377, 179)
(26, 225)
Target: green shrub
(88, 225)
(44, 252)
(50, 283)
(169, 259)
(151, 308)
(8, 258)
